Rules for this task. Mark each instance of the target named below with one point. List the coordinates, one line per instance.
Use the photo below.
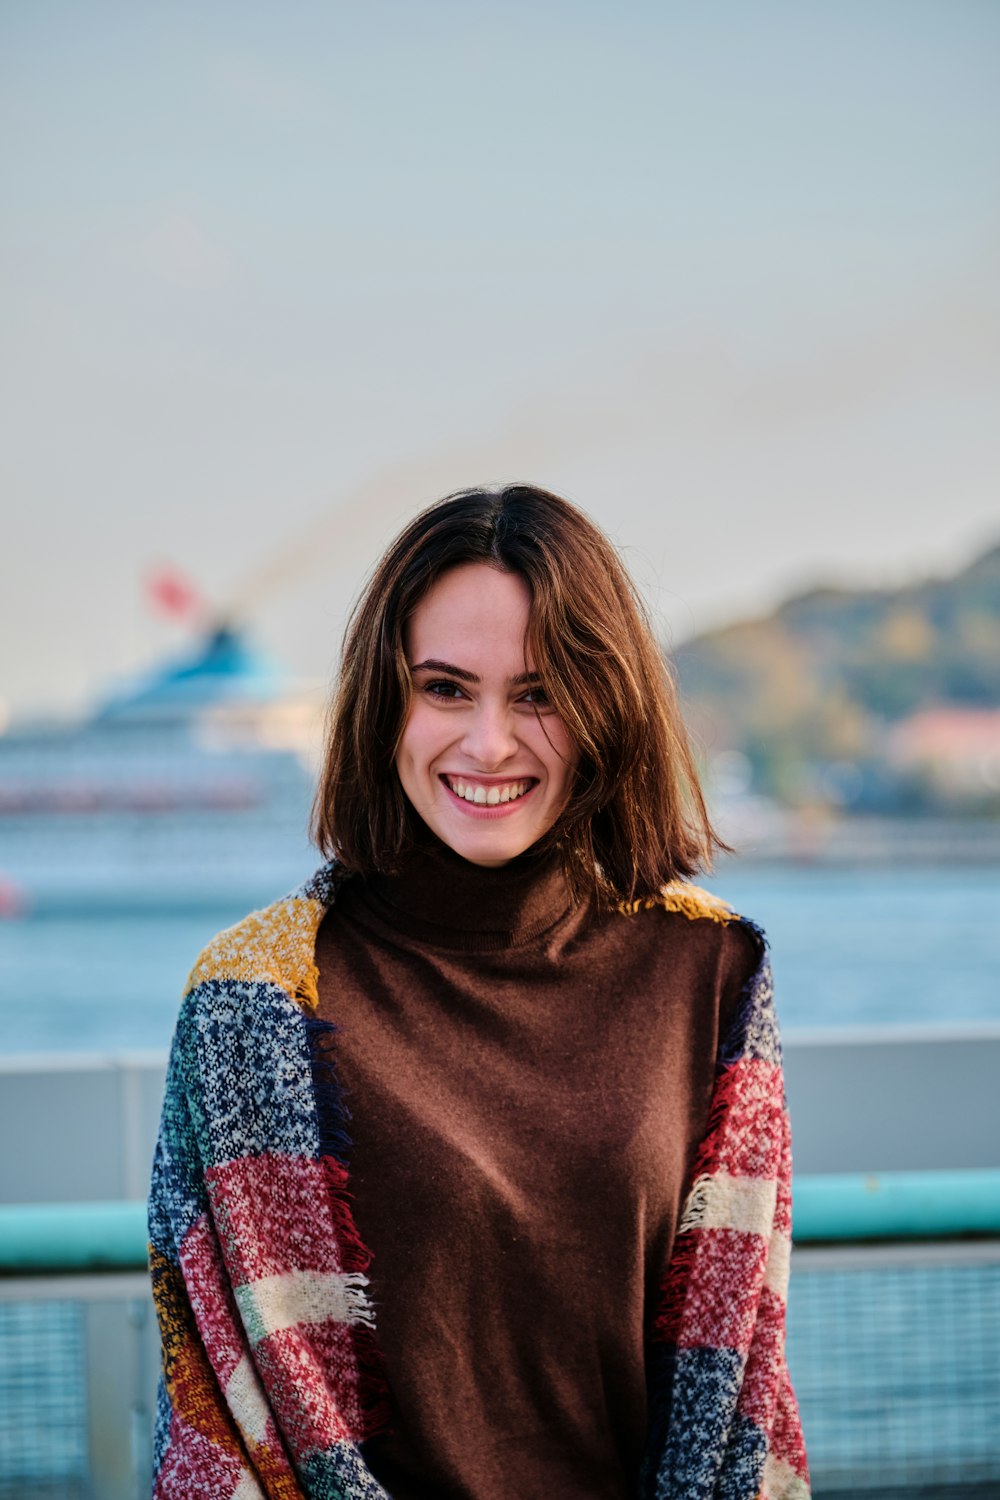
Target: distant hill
(823, 681)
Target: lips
(488, 793)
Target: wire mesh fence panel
(897, 1372)
(43, 1408)
(78, 1369)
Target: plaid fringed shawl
(271, 1378)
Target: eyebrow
(463, 676)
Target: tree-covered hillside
(823, 682)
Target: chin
(488, 846)
(487, 851)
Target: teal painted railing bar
(896, 1205)
(886, 1205)
(72, 1237)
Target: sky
(274, 277)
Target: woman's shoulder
(274, 945)
(747, 1019)
(682, 899)
(720, 943)
(242, 1054)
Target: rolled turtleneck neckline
(445, 900)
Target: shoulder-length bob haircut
(636, 817)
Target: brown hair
(636, 817)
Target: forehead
(471, 608)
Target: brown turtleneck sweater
(528, 1081)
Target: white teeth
(488, 796)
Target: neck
(453, 903)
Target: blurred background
(725, 275)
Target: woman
(567, 1167)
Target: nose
(490, 736)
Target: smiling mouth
(489, 796)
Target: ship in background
(191, 786)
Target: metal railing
(893, 1340)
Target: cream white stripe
(284, 1301)
(718, 1201)
(781, 1481)
(247, 1488)
(246, 1400)
(779, 1262)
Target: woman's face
(484, 759)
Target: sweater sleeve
(198, 1447)
(724, 1424)
(258, 1298)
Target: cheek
(419, 742)
(407, 752)
(570, 752)
(562, 754)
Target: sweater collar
(443, 899)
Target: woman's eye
(443, 690)
(538, 696)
